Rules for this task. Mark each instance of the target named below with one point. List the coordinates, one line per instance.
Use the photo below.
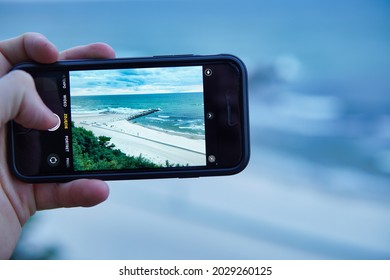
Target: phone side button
(172, 55)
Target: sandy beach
(134, 139)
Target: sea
(178, 113)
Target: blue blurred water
(318, 185)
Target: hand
(20, 101)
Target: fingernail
(54, 128)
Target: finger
(29, 46)
(96, 50)
(83, 192)
(23, 103)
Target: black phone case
(170, 60)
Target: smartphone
(136, 118)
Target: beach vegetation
(168, 164)
(97, 153)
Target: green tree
(97, 153)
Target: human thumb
(20, 101)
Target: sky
(136, 81)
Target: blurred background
(318, 184)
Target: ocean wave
(181, 122)
(157, 119)
(85, 111)
(122, 111)
(193, 127)
(106, 111)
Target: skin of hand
(20, 101)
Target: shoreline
(134, 139)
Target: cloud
(137, 81)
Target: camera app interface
(137, 118)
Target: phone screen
(137, 118)
(133, 119)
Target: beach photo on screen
(137, 118)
